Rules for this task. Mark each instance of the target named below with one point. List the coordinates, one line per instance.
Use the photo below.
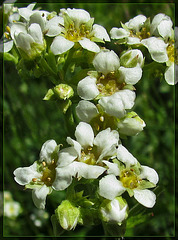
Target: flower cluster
(95, 88)
(157, 36)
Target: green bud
(132, 58)
(131, 124)
(63, 91)
(67, 215)
(49, 95)
(115, 211)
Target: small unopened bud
(67, 215)
(64, 91)
(132, 58)
(131, 124)
(115, 211)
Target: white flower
(78, 27)
(87, 152)
(131, 177)
(161, 26)
(41, 175)
(114, 211)
(116, 104)
(29, 41)
(132, 32)
(106, 61)
(157, 48)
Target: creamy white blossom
(89, 151)
(77, 28)
(42, 176)
(131, 177)
(132, 32)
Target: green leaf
(10, 57)
(146, 184)
(138, 219)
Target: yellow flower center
(103, 121)
(73, 34)
(142, 34)
(129, 179)
(49, 173)
(172, 53)
(88, 156)
(108, 85)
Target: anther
(34, 179)
(8, 29)
(102, 119)
(44, 164)
(49, 179)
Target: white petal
(131, 75)
(105, 141)
(16, 28)
(15, 17)
(24, 41)
(155, 22)
(37, 17)
(128, 98)
(84, 134)
(125, 156)
(75, 144)
(86, 111)
(64, 177)
(145, 197)
(39, 196)
(60, 45)
(110, 187)
(87, 88)
(25, 13)
(106, 61)
(119, 33)
(66, 156)
(112, 168)
(89, 45)
(113, 105)
(52, 26)
(133, 40)
(165, 28)
(8, 46)
(136, 22)
(36, 33)
(100, 32)
(150, 174)
(87, 171)
(46, 150)
(170, 75)
(24, 175)
(79, 16)
(157, 48)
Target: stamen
(8, 29)
(102, 119)
(34, 179)
(44, 164)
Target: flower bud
(106, 61)
(67, 215)
(63, 91)
(115, 211)
(132, 58)
(131, 124)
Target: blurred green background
(29, 122)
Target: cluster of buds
(96, 86)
